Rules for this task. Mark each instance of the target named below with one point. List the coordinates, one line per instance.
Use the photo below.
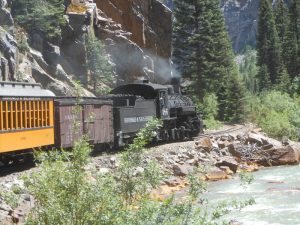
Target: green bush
(277, 113)
(209, 108)
(66, 194)
(45, 16)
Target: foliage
(209, 109)
(98, 65)
(281, 19)
(246, 178)
(268, 46)
(11, 197)
(22, 43)
(292, 40)
(203, 54)
(65, 193)
(45, 16)
(248, 70)
(277, 113)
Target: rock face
(241, 21)
(137, 35)
(148, 24)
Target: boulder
(226, 169)
(256, 139)
(173, 181)
(205, 144)
(223, 144)
(284, 156)
(216, 174)
(229, 162)
(182, 170)
(233, 149)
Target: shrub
(46, 16)
(277, 113)
(66, 194)
(209, 108)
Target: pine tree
(210, 57)
(281, 19)
(281, 13)
(263, 75)
(292, 42)
(98, 64)
(283, 83)
(268, 45)
(182, 30)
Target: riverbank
(219, 155)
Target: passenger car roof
(18, 89)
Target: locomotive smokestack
(175, 82)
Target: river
(276, 192)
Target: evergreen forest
(260, 85)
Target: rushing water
(276, 192)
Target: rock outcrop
(137, 36)
(144, 47)
(241, 21)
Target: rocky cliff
(142, 35)
(241, 21)
(136, 33)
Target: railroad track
(28, 164)
(222, 132)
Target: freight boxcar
(74, 118)
(26, 116)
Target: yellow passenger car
(26, 116)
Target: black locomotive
(135, 104)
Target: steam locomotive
(32, 117)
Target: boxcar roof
(17, 89)
(82, 101)
(147, 90)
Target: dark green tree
(263, 75)
(203, 53)
(281, 13)
(182, 29)
(292, 43)
(211, 63)
(268, 45)
(99, 68)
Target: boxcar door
(66, 133)
(104, 132)
(89, 122)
